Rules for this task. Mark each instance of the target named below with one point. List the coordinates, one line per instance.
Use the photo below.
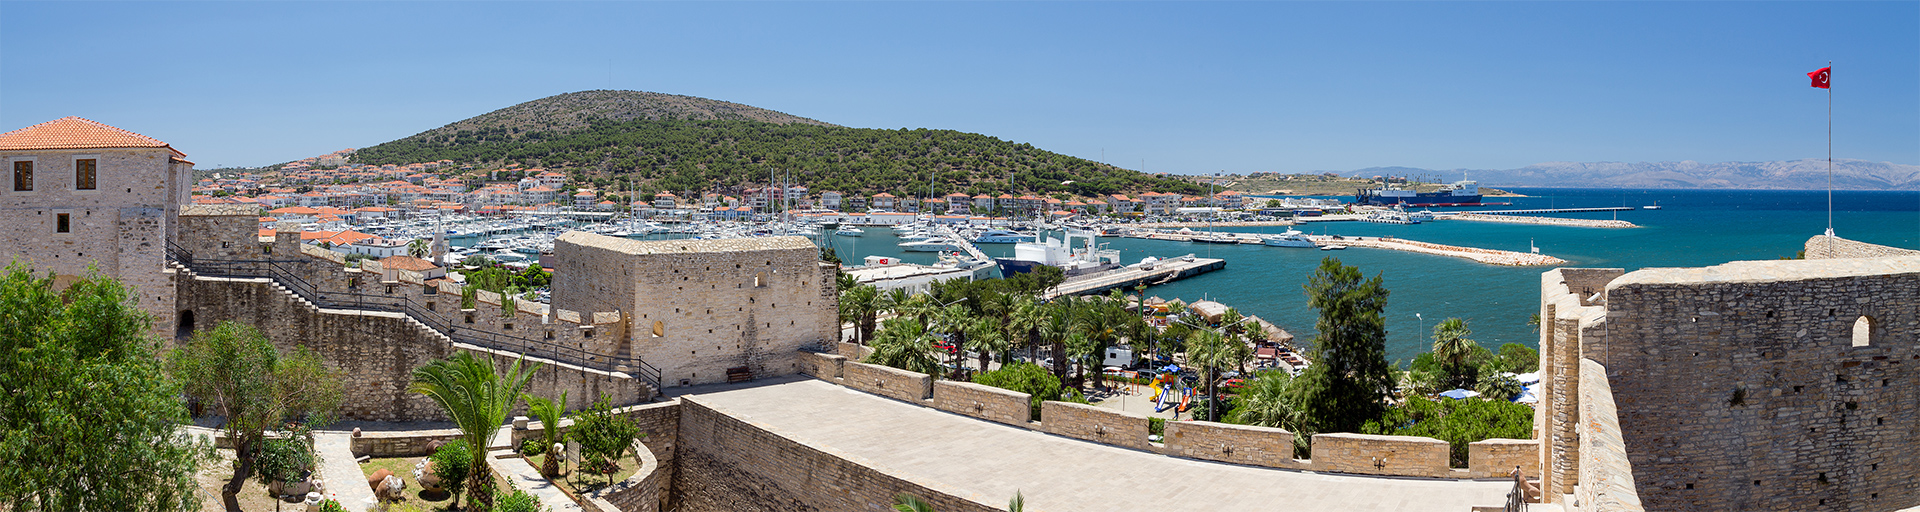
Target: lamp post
(1213, 406)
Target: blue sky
(1190, 87)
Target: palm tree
(548, 411)
(1451, 348)
(1027, 317)
(902, 344)
(477, 398)
(419, 248)
(986, 337)
(954, 321)
(1268, 401)
(860, 305)
(1211, 351)
(1054, 330)
(904, 502)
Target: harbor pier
(1124, 277)
(1543, 221)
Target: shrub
(518, 501)
(533, 446)
(284, 460)
(1458, 422)
(1027, 378)
(453, 464)
(604, 436)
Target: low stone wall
(824, 366)
(852, 351)
(409, 443)
(642, 492)
(886, 381)
(1097, 424)
(1495, 458)
(1822, 247)
(1381, 455)
(1606, 476)
(1238, 444)
(727, 463)
(984, 402)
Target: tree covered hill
(652, 144)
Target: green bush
(284, 460)
(453, 462)
(1458, 422)
(533, 446)
(1028, 378)
(518, 501)
(604, 436)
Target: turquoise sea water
(1692, 228)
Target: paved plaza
(987, 462)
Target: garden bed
(580, 483)
(417, 499)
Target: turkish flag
(1820, 77)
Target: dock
(1487, 256)
(1544, 221)
(965, 244)
(1556, 210)
(1126, 277)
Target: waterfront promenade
(988, 462)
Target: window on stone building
(23, 176)
(83, 174)
(1863, 332)
(63, 223)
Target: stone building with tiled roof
(80, 193)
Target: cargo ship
(1459, 193)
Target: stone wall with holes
(1101, 425)
(887, 381)
(1606, 473)
(1751, 385)
(727, 463)
(984, 402)
(823, 366)
(1382, 455)
(1238, 444)
(1822, 247)
(119, 227)
(1572, 308)
(701, 308)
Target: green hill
(659, 142)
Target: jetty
(1163, 271)
(1556, 210)
(1542, 221)
(966, 245)
(1487, 256)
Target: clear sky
(1186, 87)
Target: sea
(1691, 228)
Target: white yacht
(849, 231)
(1291, 238)
(935, 244)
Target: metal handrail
(275, 270)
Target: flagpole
(1829, 151)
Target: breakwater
(1218, 224)
(1487, 256)
(1542, 221)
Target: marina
(1158, 272)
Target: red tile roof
(77, 133)
(407, 263)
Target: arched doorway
(184, 327)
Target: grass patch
(417, 499)
(581, 483)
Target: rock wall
(1381, 455)
(887, 381)
(1606, 473)
(1238, 444)
(824, 366)
(984, 402)
(1101, 425)
(410, 443)
(1494, 458)
(727, 464)
(1750, 385)
(1822, 247)
(700, 309)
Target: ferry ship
(1459, 193)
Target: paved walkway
(987, 462)
(345, 481)
(522, 474)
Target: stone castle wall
(700, 308)
(1823, 247)
(822, 366)
(887, 381)
(1752, 385)
(726, 463)
(1125, 429)
(1364, 454)
(1238, 444)
(1606, 475)
(983, 402)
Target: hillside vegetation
(655, 142)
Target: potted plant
(285, 465)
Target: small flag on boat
(1820, 77)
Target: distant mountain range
(1808, 174)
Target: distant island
(1807, 174)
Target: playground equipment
(1165, 395)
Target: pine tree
(1350, 376)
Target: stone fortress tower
(1753, 385)
(79, 193)
(704, 311)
